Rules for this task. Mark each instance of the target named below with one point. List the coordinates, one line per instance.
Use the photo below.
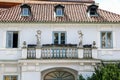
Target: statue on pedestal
(24, 44)
(38, 36)
(94, 44)
(80, 38)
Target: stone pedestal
(94, 53)
(38, 53)
(24, 53)
(80, 52)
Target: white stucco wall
(9, 68)
(10, 54)
(37, 67)
(36, 70)
(27, 33)
(31, 76)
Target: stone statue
(38, 36)
(94, 44)
(80, 38)
(24, 44)
(109, 42)
(103, 41)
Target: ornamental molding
(58, 61)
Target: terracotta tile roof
(87, 1)
(44, 12)
(19, 1)
(3, 9)
(8, 4)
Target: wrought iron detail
(59, 75)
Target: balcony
(59, 53)
(54, 52)
(51, 51)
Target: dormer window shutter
(59, 10)
(92, 10)
(25, 10)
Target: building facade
(56, 40)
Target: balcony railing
(53, 52)
(59, 52)
(31, 52)
(87, 53)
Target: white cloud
(110, 5)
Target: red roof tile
(87, 1)
(3, 9)
(44, 12)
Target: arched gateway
(59, 75)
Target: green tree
(105, 72)
(81, 77)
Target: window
(93, 12)
(10, 77)
(106, 39)
(12, 39)
(59, 12)
(59, 75)
(25, 12)
(59, 37)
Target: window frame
(25, 12)
(59, 36)
(57, 11)
(92, 10)
(7, 41)
(106, 40)
(93, 14)
(10, 76)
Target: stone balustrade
(59, 52)
(31, 53)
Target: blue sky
(110, 5)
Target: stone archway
(59, 75)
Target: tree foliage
(81, 77)
(106, 72)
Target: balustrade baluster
(31, 53)
(59, 52)
(87, 53)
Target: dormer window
(92, 10)
(59, 10)
(25, 10)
